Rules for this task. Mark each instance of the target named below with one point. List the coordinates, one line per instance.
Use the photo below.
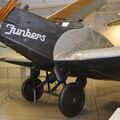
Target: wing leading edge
(91, 54)
(101, 63)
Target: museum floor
(102, 99)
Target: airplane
(61, 51)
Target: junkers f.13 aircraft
(77, 51)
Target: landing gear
(29, 91)
(72, 97)
(71, 100)
(81, 80)
(31, 88)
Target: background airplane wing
(7, 8)
(73, 12)
(18, 61)
(76, 11)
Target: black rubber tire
(71, 100)
(28, 89)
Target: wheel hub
(74, 100)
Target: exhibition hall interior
(59, 60)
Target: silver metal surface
(73, 42)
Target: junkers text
(25, 33)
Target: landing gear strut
(72, 97)
(81, 80)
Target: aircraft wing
(76, 11)
(101, 63)
(90, 54)
(18, 61)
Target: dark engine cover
(30, 35)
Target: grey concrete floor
(102, 99)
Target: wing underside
(18, 61)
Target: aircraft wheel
(28, 91)
(72, 99)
